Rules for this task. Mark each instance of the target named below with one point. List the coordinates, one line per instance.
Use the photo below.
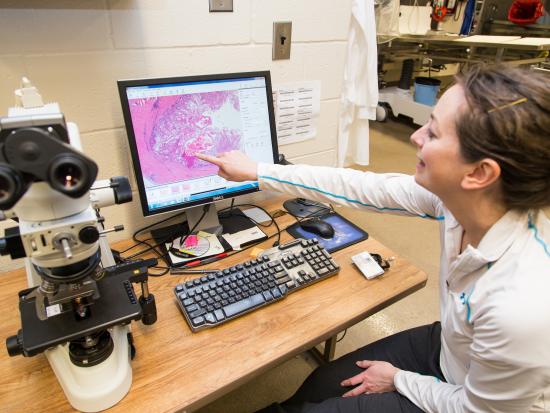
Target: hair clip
(507, 105)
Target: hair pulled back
(508, 120)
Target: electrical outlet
(221, 5)
(282, 38)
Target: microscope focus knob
(88, 235)
(14, 344)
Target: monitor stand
(228, 222)
(209, 223)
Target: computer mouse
(317, 226)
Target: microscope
(79, 304)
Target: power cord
(163, 256)
(184, 237)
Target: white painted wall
(74, 51)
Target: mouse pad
(345, 232)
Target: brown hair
(508, 120)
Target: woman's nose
(417, 137)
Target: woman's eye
(431, 134)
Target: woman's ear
(484, 173)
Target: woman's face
(440, 168)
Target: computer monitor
(169, 120)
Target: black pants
(413, 350)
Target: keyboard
(227, 294)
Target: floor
(413, 238)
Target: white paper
(297, 107)
(242, 237)
(531, 41)
(257, 215)
(53, 310)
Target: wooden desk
(175, 369)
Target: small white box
(367, 265)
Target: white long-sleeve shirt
(494, 299)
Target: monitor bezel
(131, 139)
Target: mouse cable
(318, 213)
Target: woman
(483, 171)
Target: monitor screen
(169, 120)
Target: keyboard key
(243, 305)
(191, 308)
(219, 315)
(281, 274)
(197, 313)
(199, 321)
(215, 298)
(322, 271)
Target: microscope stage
(117, 305)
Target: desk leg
(328, 352)
(499, 54)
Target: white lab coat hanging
(359, 96)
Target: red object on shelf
(525, 11)
(439, 11)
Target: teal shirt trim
(466, 301)
(353, 201)
(532, 226)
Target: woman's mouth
(420, 163)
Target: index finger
(356, 391)
(209, 158)
(352, 381)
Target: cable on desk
(159, 244)
(273, 222)
(149, 246)
(322, 210)
(190, 231)
(193, 271)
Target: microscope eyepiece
(69, 175)
(12, 186)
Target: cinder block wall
(74, 51)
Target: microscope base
(95, 388)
